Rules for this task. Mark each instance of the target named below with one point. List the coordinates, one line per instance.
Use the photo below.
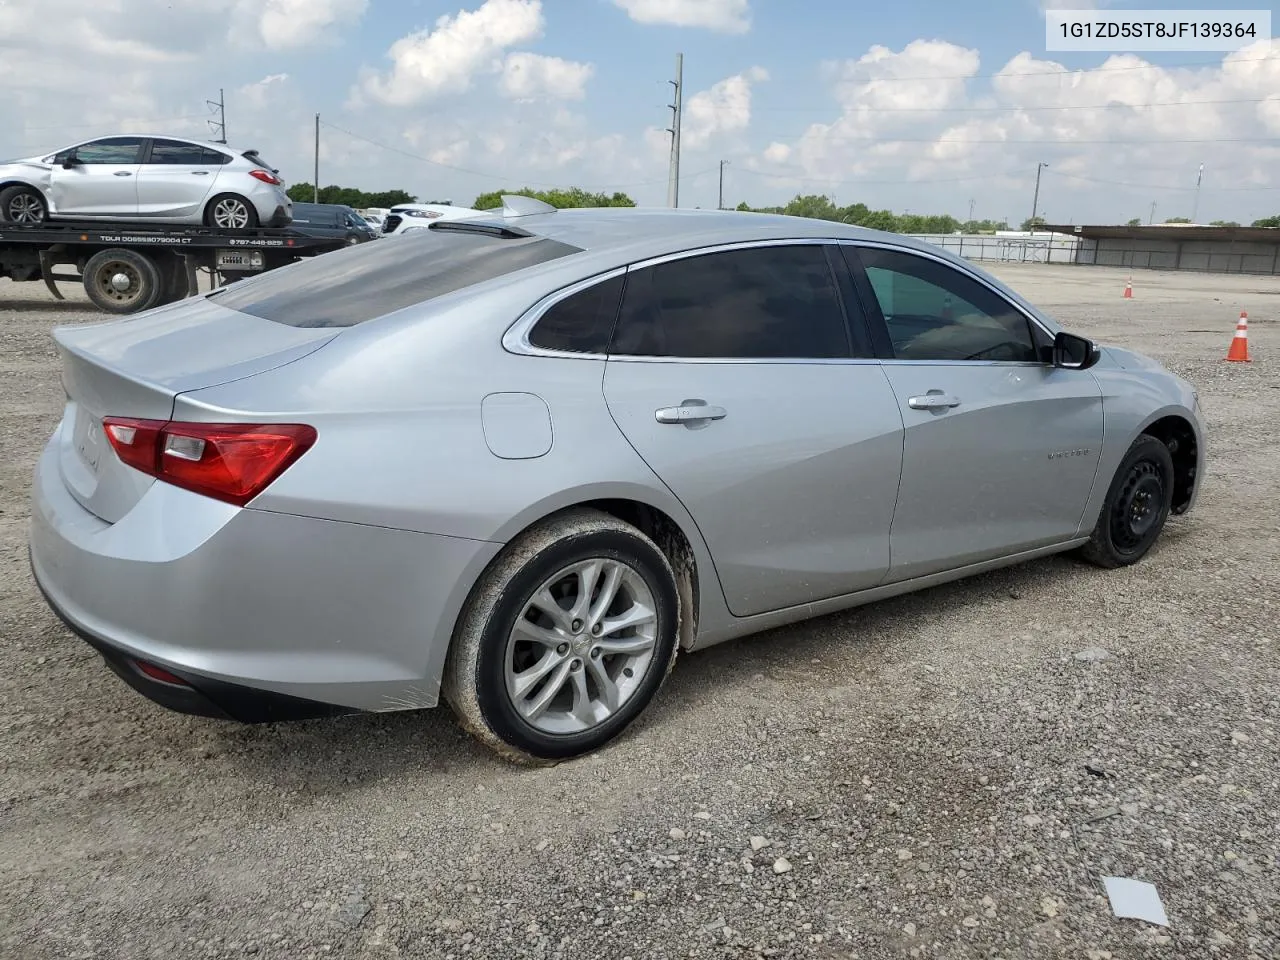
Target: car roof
(632, 233)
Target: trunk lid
(136, 367)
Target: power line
(1064, 72)
(792, 176)
(1155, 186)
(1067, 142)
(491, 176)
(1010, 107)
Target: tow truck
(130, 267)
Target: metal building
(1177, 247)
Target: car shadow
(322, 757)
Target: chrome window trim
(516, 339)
(929, 255)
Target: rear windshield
(368, 280)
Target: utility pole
(971, 202)
(316, 184)
(1152, 219)
(1035, 201)
(221, 125)
(673, 177)
(720, 205)
(1196, 205)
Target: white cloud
(431, 62)
(296, 23)
(528, 76)
(724, 16)
(725, 108)
(777, 153)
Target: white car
(406, 215)
(159, 179)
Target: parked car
(156, 179)
(421, 214)
(517, 462)
(331, 220)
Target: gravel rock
(932, 724)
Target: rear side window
(581, 322)
(360, 282)
(177, 153)
(760, 303)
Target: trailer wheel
(22, 204)
(122, 281)
(230, 211)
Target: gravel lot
(935, 776)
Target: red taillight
(160, 673)
(266, 176)
(233, 462)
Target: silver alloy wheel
(231, 214)
(581, 646)
(26, 208)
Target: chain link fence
(1049, 248)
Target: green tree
(1033, 223)
(1223, 223)
(350, 196)
(1267, 222)
(1178, 220)
(1134, 222)
(560, 199)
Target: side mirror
(67, 160)
(1074, 353)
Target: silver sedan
(517, 462)
(157, 179)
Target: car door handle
(123, 173)
(690, 411)
(199, 173)
(933, 401)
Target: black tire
(474, 681)
(213, 212)
(1136, 508)
(142, 288)
(23, 204)
(173, 280)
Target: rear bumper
(199, 696)
(264, 615)
(280, 217)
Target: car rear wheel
(1136, 508)
(22, 204)
(565, 640)
(228, 211)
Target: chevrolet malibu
(516, 462)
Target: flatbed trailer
(129, 267)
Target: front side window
(110, 150)
(934, 312)
(581, 322)
(769, 302)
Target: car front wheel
(22, 204)
(1136, 507)
(565, 640)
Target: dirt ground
(934, 776)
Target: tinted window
(110, 150)
(778, 301)
(581, 323)
(367, 280)
(254, 157)
(174, 152)
(934, 312)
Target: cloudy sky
(920, 105)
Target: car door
(738, 378)
(176, 178)
(101, 180)
(1001, 447)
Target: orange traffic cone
(1239, 352)
(1128, 289)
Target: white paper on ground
(1135, 899)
